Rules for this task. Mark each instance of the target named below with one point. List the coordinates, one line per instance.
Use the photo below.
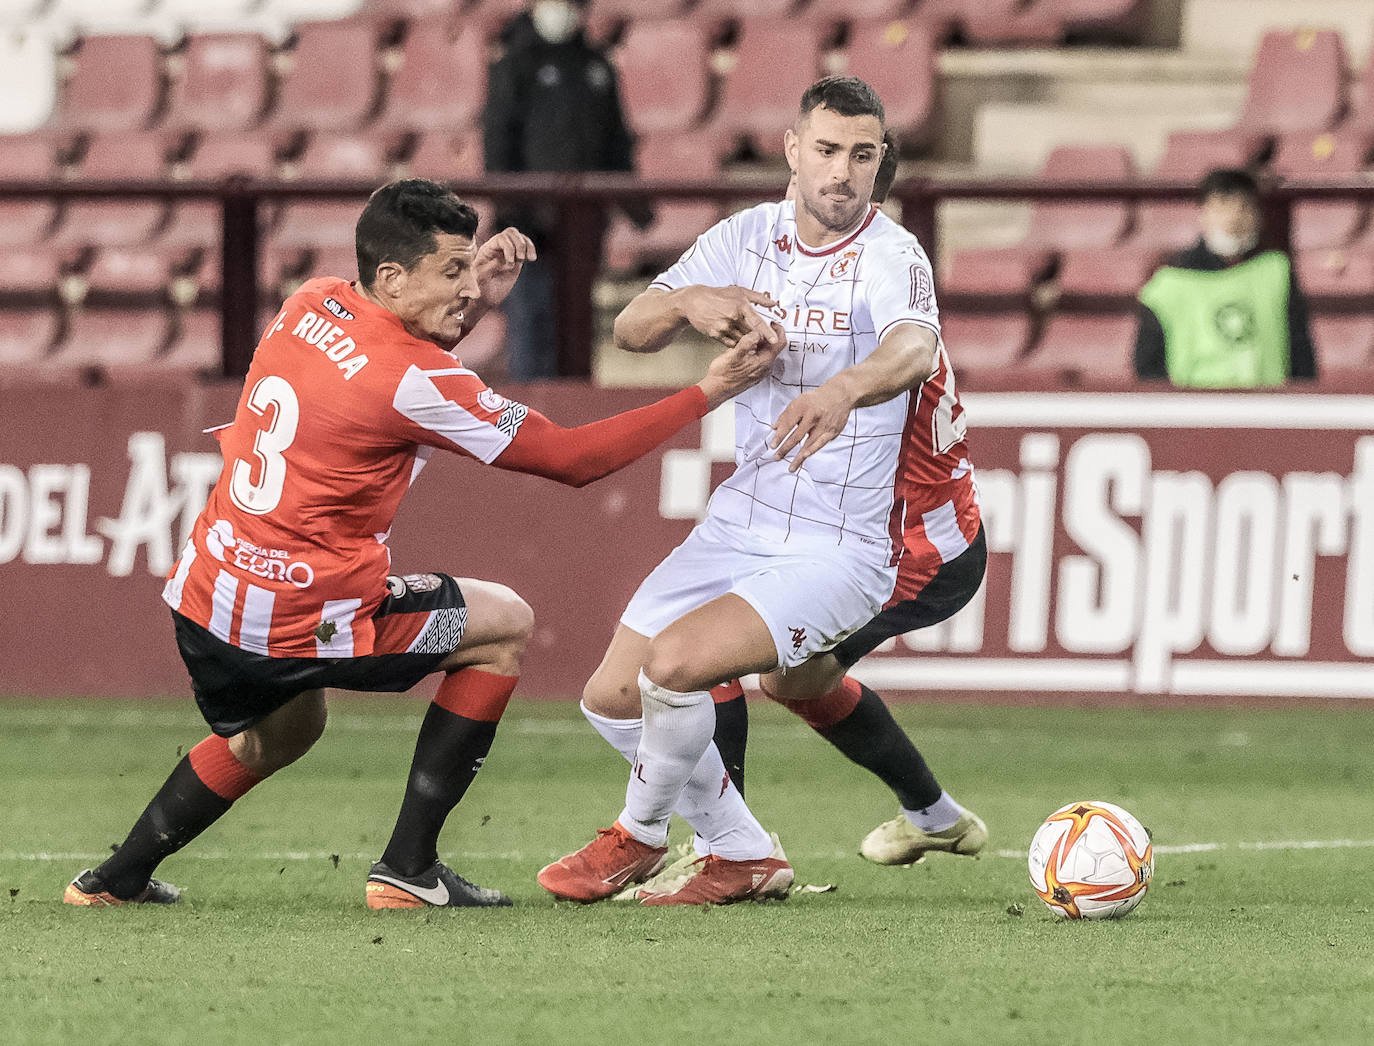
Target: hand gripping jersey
(895, 461)
(340, 411)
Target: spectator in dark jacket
(1224, 313)
(552, 105)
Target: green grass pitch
(1239, 940)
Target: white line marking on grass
(519, 855)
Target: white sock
(936, 817)
(677, 731)
(723, 823)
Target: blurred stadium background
(170, 169)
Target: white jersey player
(800, 546)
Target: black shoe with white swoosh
(438, 887)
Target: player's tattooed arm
(498, 263)
(904, 358)
(726, 314)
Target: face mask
(555, 22)
(1229, 245)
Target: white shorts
(810, 600)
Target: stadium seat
(898, 59)
(344, 157)
(219, 157)
(1079, 346)
(863, 10)
(196, 344)
(730, 9)
(1324, 154)
(776, 60)
(332, 80)
(995, 272)
(445, 156)
(325, 223)
(335, 261)
(442, 79)
(28, 157)
(116, 86)
(110, 339)
(663, 95)
(141, 273)
(1336, 274)
(25, 222)
(1106, 272)
(1188, 156)
(26, 335)
(985, 343)
(30, 273)
(1343, 342)
(677, 223)
(224, 86)
(1297, 82)
(1088, 224)
(120, 222)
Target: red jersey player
(285, 586)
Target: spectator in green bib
(1225, 313)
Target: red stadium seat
(327, 223)
(224, 86)
(1042, 21)
(775, 62)
(1297, 82)
(30, 273)
(1079, 346)
(442, 79)
(28, 156)
(1323, 154)
(131, 272)
(995, 271)
(1360, 120)
(722, 9)
(640, 10)
(985, 343)
(444, 156)
(111, 339)
(1106, 272)
(25, 222)
(863, 10)
(26, 335)
(344, 157)
(1091, 224)
(331, 85)
(1343, 342)
(677, 223)
(195, 346)
(116, 86)
(663, 95)
(1336, 274)
(335, 261)
(898, 59)
(244, 155)
(1188, 156)
(116, 223)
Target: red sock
(726, 692)
(828, 710)
(219, 770)
(474, 694)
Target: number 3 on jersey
(262, 497)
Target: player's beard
(836, 216)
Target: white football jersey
(836, 304)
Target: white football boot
(898, 841)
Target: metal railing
(582, 200)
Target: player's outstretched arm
(904, 358)
(577, 456)
(727, 314)
(498, 264)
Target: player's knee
(516, 630)
(614, 698)
(673, 664)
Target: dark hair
(887, 169)
(846, 95)
(1228, 181)
(400, 220)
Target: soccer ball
(1091, 861)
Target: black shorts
(236, 688)
(943, 596)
